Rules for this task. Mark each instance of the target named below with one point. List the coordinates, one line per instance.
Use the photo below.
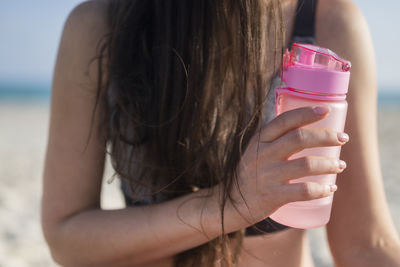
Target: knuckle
(330, 136)
(306, 191)
(299, 135)
(326, 134)
(328, 165)
(308, 164)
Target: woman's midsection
(282, 249)
(285, 248)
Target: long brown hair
(186, 82)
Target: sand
(23, 134)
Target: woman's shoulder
(87, 22)
(338, 14)
(90, 13)
(85, 28)
(341, 26)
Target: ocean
(24, 91)
(41, 92)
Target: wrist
(236, 214)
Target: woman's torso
(284, 248)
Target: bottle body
(313, 213)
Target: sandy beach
(23, 137)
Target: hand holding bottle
(264, 171)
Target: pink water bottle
(313, 76)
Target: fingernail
(342, 164)
(332, 187)
(343, 137)
(322, 110)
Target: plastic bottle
(313, 76)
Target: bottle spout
(312, 56)
(307, 57)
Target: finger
(291, 120)
(302, 138)
(306, 166)
(306, 191)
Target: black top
(303, 32)
(304, 25)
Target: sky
(30, 32)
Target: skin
(366, 237)
(79, 233)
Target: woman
(178, 90)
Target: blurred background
(29, 36)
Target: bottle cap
(315, 70)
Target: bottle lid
(315, 70)
(312, 56)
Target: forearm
(137, 235)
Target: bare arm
(361, 231)
(79, 233)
